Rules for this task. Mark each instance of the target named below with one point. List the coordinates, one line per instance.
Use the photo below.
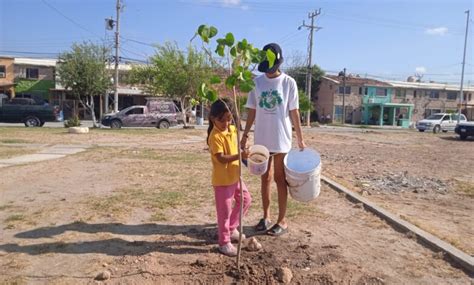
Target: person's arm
(248, 125)
(226, 158)
(295, 118)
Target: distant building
(395, 103)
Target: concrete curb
(458, 256)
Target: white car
(439, 122)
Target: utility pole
(309, 73)
(343, 74)
(463, 63)
(117, 42)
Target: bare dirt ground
(139, 205)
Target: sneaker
(228, 249)
(234, 236)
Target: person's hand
(243, 142)
(245, 153)
(301, 144)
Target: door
(134, 117)
(446, 123)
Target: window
(32, 73)
(414, 94)
(433, 94)
(135, 111)
(2, 71)
(366, 90)
(470, 97)
(330, 86)
(455, 117)
(447, 118)
(401, 93)
(381, 92)
(341, 90)
(429, 112)
(360, 90)
(452, 95)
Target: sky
(384, 39)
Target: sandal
(277, 230)
(262, 225)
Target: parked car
(156, 113)
(27, 111)
(465, 129)
(439, 122)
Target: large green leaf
(212, 31)
(230, 81)
(201, 29)
(247, 86)
(202, 90)
(271, 58)
(247, 75)
(212, 95)
(220, 50)
(229, 38)
(215, 79)
(233, 52)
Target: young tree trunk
(183, 110)
(89, 104)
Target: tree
(299, 74)
(83, 73)
(239, 55)
(174, 74)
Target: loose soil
(139, 205)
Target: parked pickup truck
(156, 113)
(465, 129)
(439, 122)
(27, 111)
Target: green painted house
(379, 108)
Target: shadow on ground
(166, 242)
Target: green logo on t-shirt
(269, 100)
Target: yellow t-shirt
(225, 142)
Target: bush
(72, 122)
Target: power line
(138, 42)
(68, 18)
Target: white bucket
(303, 174)
(258, 164)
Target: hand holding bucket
(258, 159)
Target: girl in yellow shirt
(222, 140)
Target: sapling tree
(239, 58)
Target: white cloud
(230, 2)
(420, 69)
(440, 31)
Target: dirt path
(146, 216)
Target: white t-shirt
(273, 99)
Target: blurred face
(223, 122)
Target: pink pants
(228, 217)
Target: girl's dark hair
(218, 109)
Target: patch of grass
(158, 217)
(124, 200)
(13, 141)
(465, 188)
(295, 208)
(15, 218)
(9, 151)
(5, 207)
